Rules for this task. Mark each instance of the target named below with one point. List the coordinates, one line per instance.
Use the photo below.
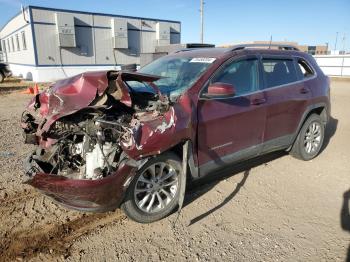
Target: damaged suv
(133, 139)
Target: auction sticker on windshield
(208, 60)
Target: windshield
(178, 73)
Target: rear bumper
(86, 195)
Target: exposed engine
(87, 143)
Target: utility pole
(202, 21)
(336, 40)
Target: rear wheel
(154, 192)
(310, 139)
(2, 77)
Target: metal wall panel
(47, 46)
(104, 21)
(104, 47)
(93, 39)
(148, 42)
(126, 56)
(49, 52)
(119, 32)
(84, 52)
(48, 16)
(21, 56)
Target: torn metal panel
(88, 128)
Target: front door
(231, 129)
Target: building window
(8, 45)
(3, 46)
(24, 42)
(17, 43)
(12, 44)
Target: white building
(45, 44)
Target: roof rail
(280, 46)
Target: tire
(2, 77)
(145, 187)
(310, 139)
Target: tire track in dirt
(52, 239)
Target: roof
(101, 14)
(84, 12)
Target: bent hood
(69, 95)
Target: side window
(243, 75)
(304, 70)
(279, 72)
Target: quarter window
(24, 42)
(279, 72)
(243, 75)
(304, 70)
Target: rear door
(286, 97)
(231, 129)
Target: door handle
(258, 101)
(304, 90)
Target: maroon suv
(133, 139)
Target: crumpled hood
(69, 95)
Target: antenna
(202, 21)
(270, 42)
(336, 40)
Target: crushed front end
(90, 134)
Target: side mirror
(219, 89)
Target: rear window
(279, 72)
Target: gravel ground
(273, 209)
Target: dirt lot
(274, 209)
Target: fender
(304, 117)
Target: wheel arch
(179, 150)
(320, 109)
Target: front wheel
(154, 192)
(310, 139)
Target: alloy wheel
(156, 187)
(312, 139)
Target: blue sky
(305, 21)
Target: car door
(231, 129)
(286, 98)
